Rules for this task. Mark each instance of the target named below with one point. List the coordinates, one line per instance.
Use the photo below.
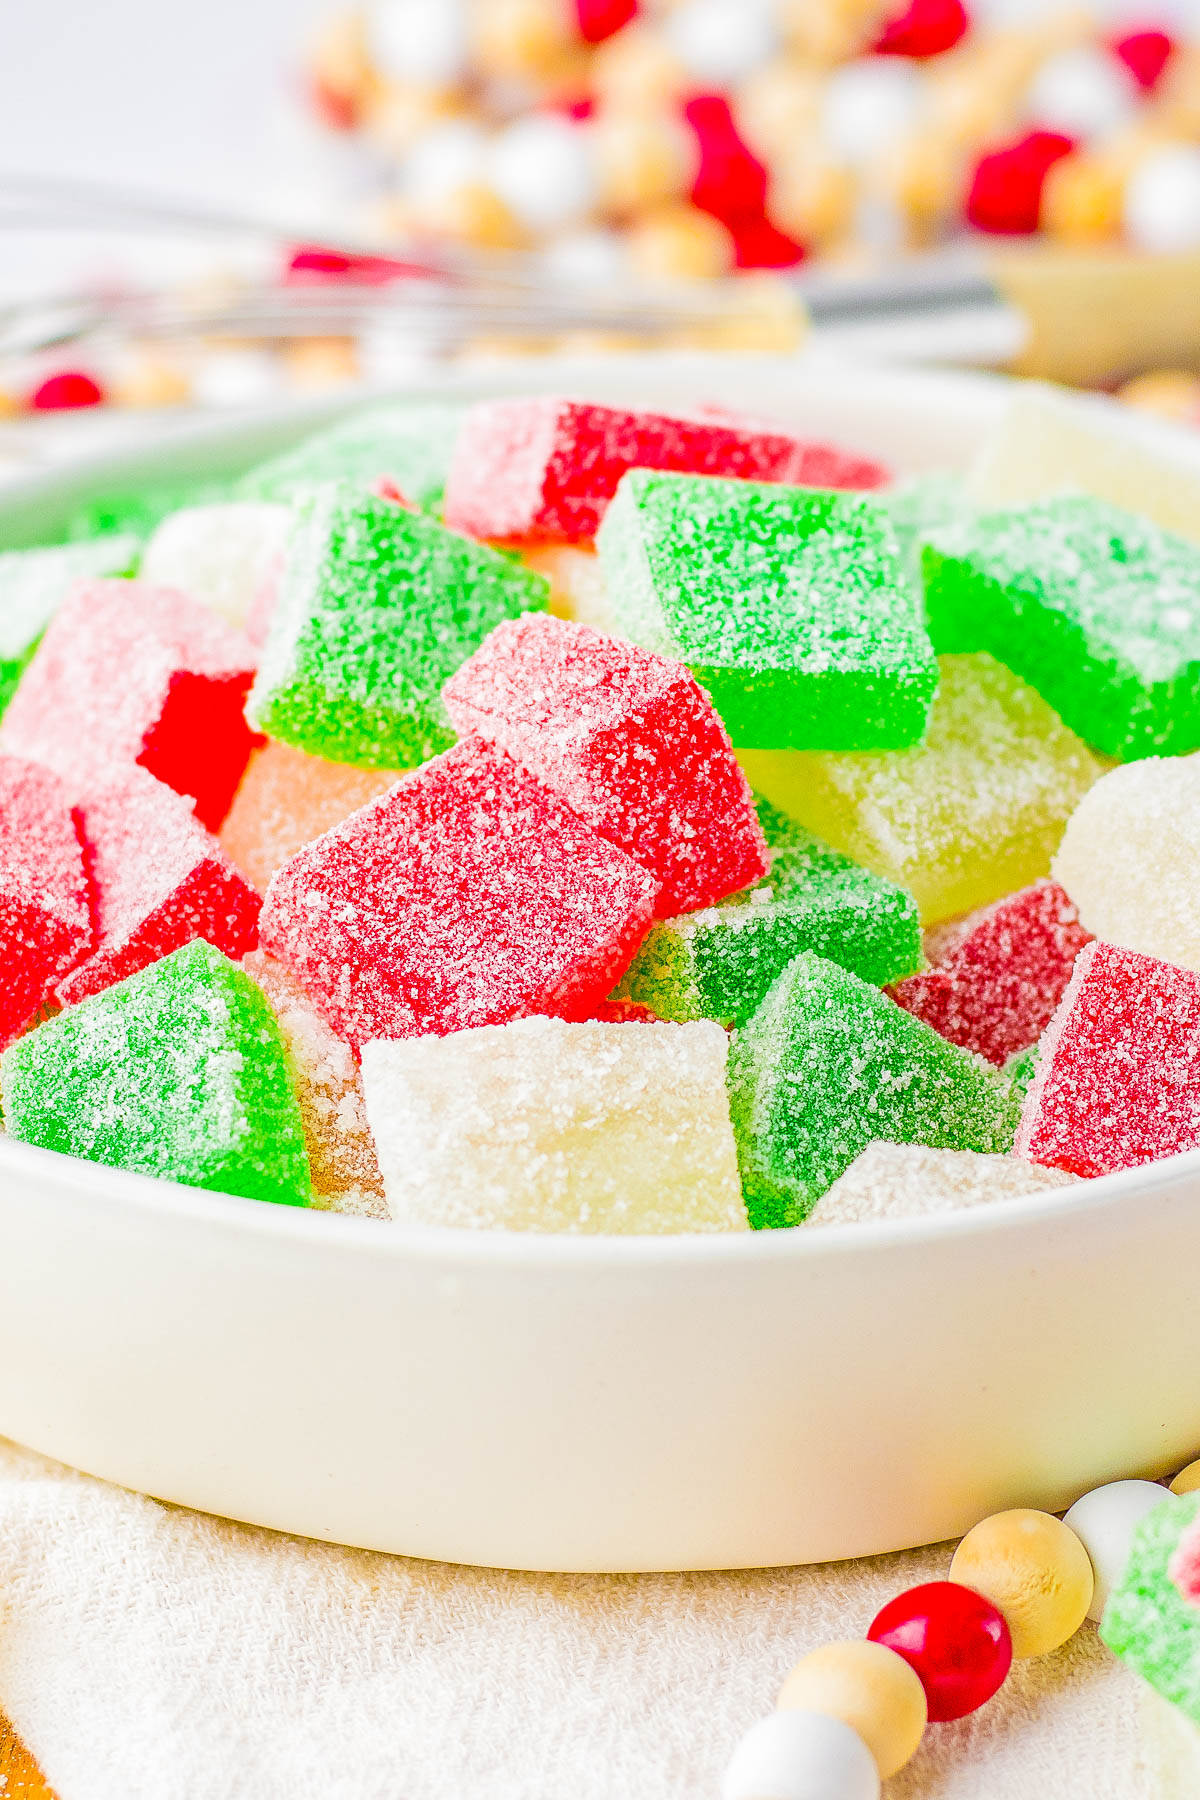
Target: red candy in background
(600, 19)
(45, 906)
(67, 391)
(925, 28)
(1005, 193)
(1146, 55)
(730, 183)
(957, 1642)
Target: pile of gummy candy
(525, 814)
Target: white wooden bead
(425, 42)
(801, 1756)
(1162, 200)
(1084, 92)
(719, 42)
(541, 166)
(869, 106)
(1103, 1521)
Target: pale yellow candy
(871, 1689)
(541, 1125)
(678, 242)
(1034, 1570)
(642, 159)
(904, 1181)
(578, 589)
(285, 800)
(971, 814)
(1165, 394)
(1188, 1480)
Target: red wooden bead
(757, 244)
(924, 28)
(957, 1642)
(731, 183)
(71, 388)
(600, 19)
(1005, 194)
(1145, 54)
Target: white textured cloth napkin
(148, 1653)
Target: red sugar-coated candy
(1146, 55)
(158, 880)
(730, 183)
(624, 1012)
(545, 469)
(1118, 1073)
(957, 1642)
(466, 895)
(630, 742)
(64, 392)
(757, 244)
(133, 674)
(924, 28)
(1005, 193)
(998, 974)
(45, 908)
(311, 263)
(600, 19)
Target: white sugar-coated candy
(444, 159)
(225, 556)
(541, 166)
(719, 42)
(1084, 92)
(1130, 858)
(801, 1756)
(1103, 1521)
(541, 1125)
(869, 105)
(1162, 200)
(904, 1181)
(423, 42)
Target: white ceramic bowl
(582, 1403)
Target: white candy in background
(587, 258)
(237, 377)
(801, 1756)
(1103, 1521)
(444, 160)
(542, 168)
(1085, 92)
(719, 42)
(423, 42)
(869, 106)
(1162, 200)
(221, 555)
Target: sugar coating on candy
(1049, 442)
(546, 467)
(540, 1125)
(919, 506)
(997, 975)
(138, 513)
(377, 607)
(906, 1181)
(178, 1072)
(285, 800)
(789, 605)
(1148, 1622)
(1130, 858)
(329, 1089)
(1118, 1071)
(34, 584)
(227, 556)
(1096, 608)
(408, 443)
(128, 674)
(1022, 1068)
(971, 814)
(827, 1065)
(578, 589)
(466, 895)
(45, 905)
(157, 880)
(719, 963)
(629, 741)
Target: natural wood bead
(869, 1687)
(1034, 1569)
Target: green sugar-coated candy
(378, 606)
(1021, 1068)
(719, 962)
(33, 583)
(790, 605)
(409, 445)
(827, 1065)
(1148, 1622)
(1096, 608)
(920, 506)
(179, 1072)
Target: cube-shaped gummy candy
(228, 556)
(629, 741)
(906, 1181)
(1096, 608)
(377, 607)
(34, 584)
(133, 674)
(972, 813)
(828, 1064)
(719, 963)
(45, 906)
(407, 444)
(1130, 858)
(157, 881)
(788, 604)
(546, 468)
(541, 1125)
(467, 895)
(178, 1072)
(285, 800)
(1118, 1067)
(1152, 1620)
(997, 975)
